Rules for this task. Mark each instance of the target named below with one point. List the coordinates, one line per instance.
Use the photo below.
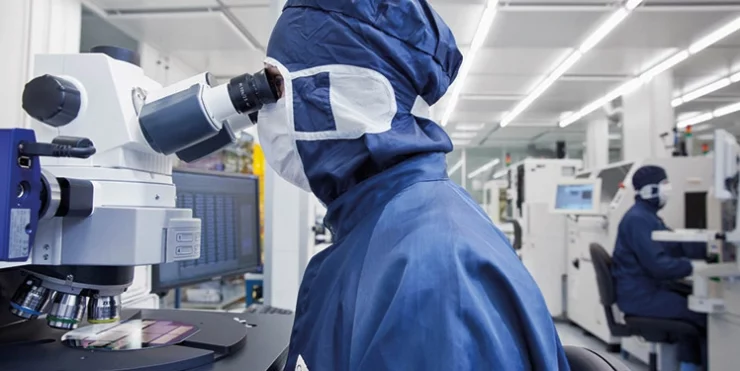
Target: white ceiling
(227, 37)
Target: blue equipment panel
(20, 195)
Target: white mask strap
(421, 108)
(647, 192)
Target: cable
(55, 150)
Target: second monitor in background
(577, 197)
(228, 206)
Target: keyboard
(266, 309)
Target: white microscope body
(95, 196)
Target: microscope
(86, 194)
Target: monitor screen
(228, 207)
(575, 197)
(611, 179)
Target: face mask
(664, 193)
(346, 101)
(660, 191)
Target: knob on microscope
(52, 100)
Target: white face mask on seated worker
(660, 191)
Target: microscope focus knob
(52, 100)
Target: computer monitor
(228, 207)
(577, 197)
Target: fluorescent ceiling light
(687, 115)
(542, 87)
(703, 127)
(704, 117)
(617, 17)
(480, 170)
(632, 4)
(455, 168)
(715, 36)
(463, 135)
(459, 142)
(664, 66)
(615, 136)
(695, 120)
(484, 27)
(672, 61)
(625, 88)
(469, 127)
(706, 89)
(500, 173)
(604, 29)
(726, 110)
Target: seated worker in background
(644, 270)
(418, 278)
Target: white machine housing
(543, 250)
(492, 198)
(716, 287)
(687, 175)
(134, 220)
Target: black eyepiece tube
(248, 93)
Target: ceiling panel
(710, 62)
(663, 29)
(221, 63)
(247, 3)
(541, 29)
(500, 84)
(576, 92)
(182, 31)
(153, 4)
(257, 21)
(517, 132)
(461, 18)
(489, 105)
(516, 61)
(618, 61)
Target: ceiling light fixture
(705, 90)
(469, 127)
(463, 135)
(487, 166)
(704, 117)
(661, 67)
(632, 4)
(500, 173)
(484, 27)
(616, 18)
(458, 142)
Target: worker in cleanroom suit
(418, 277)
(645, 270)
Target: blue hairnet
(649, 174)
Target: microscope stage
(223, 343)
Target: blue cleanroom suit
(418, 277)
(644, 270)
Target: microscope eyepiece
(248, 93)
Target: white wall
(28, 28)
(162, 67)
